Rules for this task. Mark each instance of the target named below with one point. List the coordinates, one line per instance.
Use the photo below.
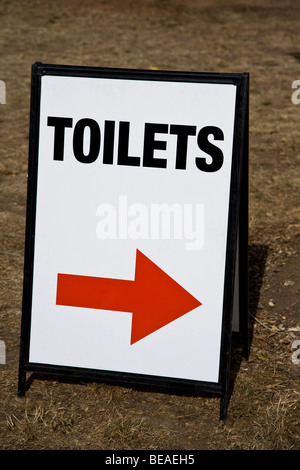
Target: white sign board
(131, 217)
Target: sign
(136, 239)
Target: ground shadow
(257, 258)
(257, 262)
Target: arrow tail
(94, 292)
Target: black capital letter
(59, 124)
(150, 144)
(215, 153)
(123, 157)
(182, 133)
(108, 142)
(78, 139)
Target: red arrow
(154, 298)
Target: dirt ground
(259, 37)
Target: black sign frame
(236, 264)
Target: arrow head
(158, 299)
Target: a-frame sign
(137, 226)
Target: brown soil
(260, 37)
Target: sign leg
(22, 382)
(223, 406)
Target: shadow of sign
(257, 262)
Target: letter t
(59, 124)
